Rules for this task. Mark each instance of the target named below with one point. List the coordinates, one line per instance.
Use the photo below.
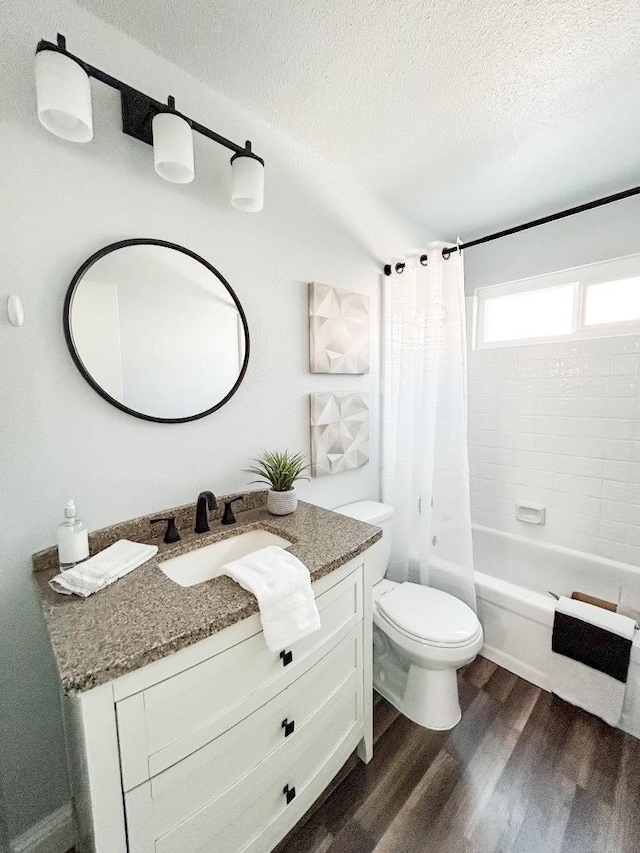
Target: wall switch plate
(15, 310)
(530, 513)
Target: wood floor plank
(413, 823)
(385, 799)
(479, 671)
(311, 837)
(352, 839)
(564, 750)
(434, 794)
(500, 685)
(461, 745)
(459, 816)
(625, 821)
(371, 796)
(517, 707)
(607, 760)
(385, 715)
(589, 816)
(533, 758)
(464, 739)
(576, 761)
(523, 772)
(466, 694)
(549, 804)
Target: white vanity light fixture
(64, 108)
(173, 147)
(63, 91)
(247, 182)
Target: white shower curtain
(425, 468)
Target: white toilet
(421, 636)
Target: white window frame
(581, 277)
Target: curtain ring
(399, 268)
(446, 254)
(424, 260)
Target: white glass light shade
(173, 148)
(247, 184)
(63, 90)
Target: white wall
(557, 424)
(60, 203)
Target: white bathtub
(513, 574)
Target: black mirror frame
(66, 321)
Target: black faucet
(205, 500)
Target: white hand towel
(108, 566)
(582, 659)
(282, 585)
(599, 616)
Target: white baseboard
(53, 834)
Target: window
(612, 302)
(584, 302)
(531, 314)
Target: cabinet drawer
(168, 721)
(227, 823)
(188, 786)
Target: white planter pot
(282, 503)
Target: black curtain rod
(447, 252)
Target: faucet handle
(171, 533)
(228, 517)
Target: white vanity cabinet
(223, 746)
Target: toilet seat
(429, 616)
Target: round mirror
(156, 330)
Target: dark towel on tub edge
(591, 645)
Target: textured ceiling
(464, 116)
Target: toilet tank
(380, 515)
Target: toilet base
(430, 697)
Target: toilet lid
(429, 614)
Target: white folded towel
(108, 566)
(282, 585)
(590, 657)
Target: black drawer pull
(287, 657)
(288, 727)
(290, 793)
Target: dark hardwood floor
(521, 773)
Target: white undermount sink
(207, 562)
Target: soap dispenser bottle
(73, 539)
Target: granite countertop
(145, 616)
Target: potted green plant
(280, 470)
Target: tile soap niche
(530, 513)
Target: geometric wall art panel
(339, 432)
(338, 330)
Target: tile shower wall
(557, 425)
